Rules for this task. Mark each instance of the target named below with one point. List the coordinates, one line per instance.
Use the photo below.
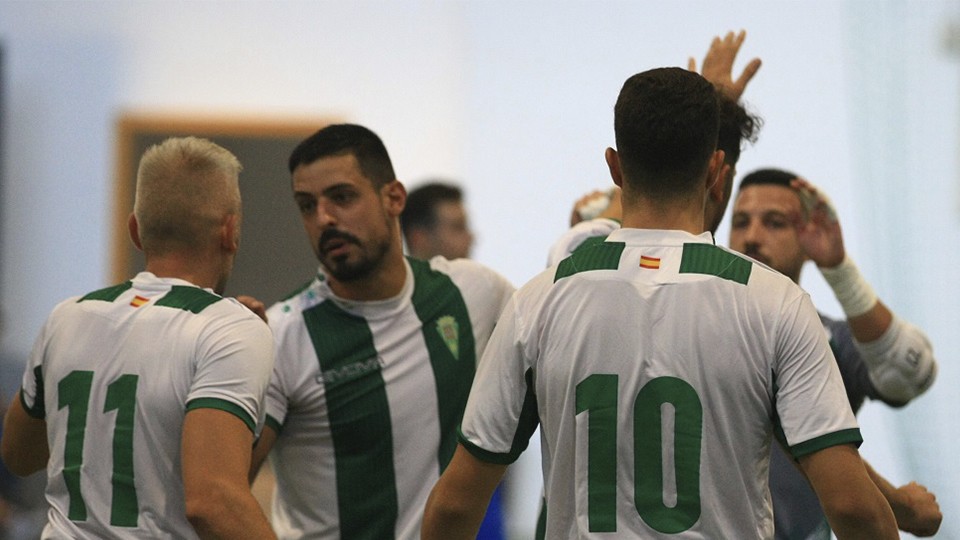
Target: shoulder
(575, 236)
(463, 273)
(289, 309)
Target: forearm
(228, 512)
(459, 500)
(898, 355)
(444, 519)
(872, 518)
(914, 507)
(853, 504)
(24, 447)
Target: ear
(613, 163)
(394, 197)
(134, 228)
(718, 191)
(715, 171)
(230, 233)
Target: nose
(753, 232)
(323, 215)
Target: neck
(198, 270)
(684, 215)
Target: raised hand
(718, 65)
(819, 231)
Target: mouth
(756, 255)
(335, 244)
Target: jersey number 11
(73, 392)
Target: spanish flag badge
(138, 301)
(650, 263)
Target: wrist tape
(855, 295)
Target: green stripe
(597, 256)
(359, 416)
(108, 294)
(526, 425)
(39, 409)
(711, 260)
(273, 424)
(590, 242)
(846, 436)
(450, 343)
(192, 299)
(777, 424)
(541, 532)
(223, 405)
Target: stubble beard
(370, 259)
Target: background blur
(515, 100)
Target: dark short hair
(777, 177)
(420, 210)
(736, 125)
(666, 122)
(347, 139)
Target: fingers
(748, 72)
(590, 206)
(692, 64)
(814, 201)
(254, 305)
(718, 64)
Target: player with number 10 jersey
(660, 367)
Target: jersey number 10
(597, 394)
(73, 392)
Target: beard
(341, 267)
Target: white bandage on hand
(855, 295)
(900, 363)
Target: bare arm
(261, 450)
(216, 452)
(459, 500)
(24, 446)
(915, 508)
(853, 504)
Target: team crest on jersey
(449, 330)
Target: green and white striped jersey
(366, 398)
(113, 374)
(659, 367)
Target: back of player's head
(347, 139)
(666, 122)
(422, 201)
(777, 177)
(185, 187)
(736, 125)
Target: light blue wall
(515, 99)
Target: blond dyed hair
(185, 188)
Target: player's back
(117, 368)
(657, 368)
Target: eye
(739, 222)
(342, 196)
(776, 222)
(307, 205)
